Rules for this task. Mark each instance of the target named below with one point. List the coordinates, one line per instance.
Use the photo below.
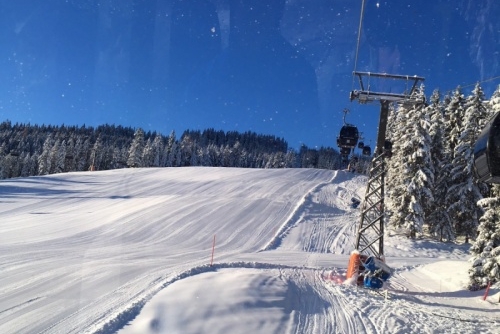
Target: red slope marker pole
(213, 249)
(487, 290)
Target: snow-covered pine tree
(60, 158)
(70, 155)
(453, 111)
(291, 159)
(44, 161)
(417, 173)
(80, 154)
(210, 155)
(234, 158)
(395, 187)
(170, 149)
(57, 156)
(486, 248)
(96, 154)
(25, 170)
(226, 156)
(453, 118)
(136, 148)
(438, 220)
(465, 191)
(119, 157)
(17, 164)
(201, 156)
(493, 104)
(8, 167)
(177, 154)
(147, 154)
(157, 150)
(194, 160)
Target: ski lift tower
(370, 232)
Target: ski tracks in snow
(313, 304)
(323, 221)
(325, 307)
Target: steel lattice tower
(370, 232)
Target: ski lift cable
(480, 82)
(359, 39)
(473, 84)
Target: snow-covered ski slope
(129, 251)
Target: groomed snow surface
(129, 251)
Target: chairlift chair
(361, 145)
(348, 137)
(367, 150)
(487, 152)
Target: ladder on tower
(370, 234)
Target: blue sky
(282, 68)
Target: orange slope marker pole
(487, 291)
(213, 250)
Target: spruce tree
(486, 248)
(417, 173)
(60, 157)
(438, 220)
(398, 124)
(135, 153)
(80, 154)
(465, 191)
(453, 118)
(147, 154)
(44, 161)
(26, 168)
(452, 121)
(70, 155)
(96, 154)
(493, 104)
(157, 152)
(171, 150)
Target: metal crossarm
(365, 94)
